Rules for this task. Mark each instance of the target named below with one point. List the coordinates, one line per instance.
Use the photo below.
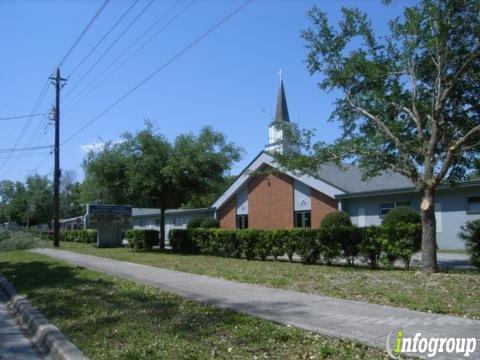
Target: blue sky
(229, 80)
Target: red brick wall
(321, 206)
(270, 202)
(227, 214)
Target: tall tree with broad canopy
(152, 172)
(410, 101)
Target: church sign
(109, 220)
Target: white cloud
(96, 146)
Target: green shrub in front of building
(195, 223)
(470, 233)
(181, 241)
(81, 236)
(307, 244)
(326, 244)
(372, 245)
(278, 242)
(336, 219)
(402, 233)
(142, 239)
(402, 241)
(210, 223)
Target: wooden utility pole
(56, 152)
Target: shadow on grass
(87, 304)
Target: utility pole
(57, 80)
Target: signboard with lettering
(101, 214)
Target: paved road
(368, 323)
(14, 345)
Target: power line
(33, 139)
(103, 38)
(45, 87)
(39, 164)
(21, 156)
(109, 48)
(163, 66)
(89, 89)
(33, 148)
(39, 101)
(82, 34)
(21, 117)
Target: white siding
(302, 196)
(242, 202)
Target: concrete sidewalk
(368, 323)
(14, 345)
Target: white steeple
(275, 134)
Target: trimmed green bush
(247, 239)
(335, 219)
(350, 238)
(401, 214)
(81, 236)
(372, 245)
(181, 241)
(291, 245)
(142, 239)
(201, 239)
(403, 240)
(470, 233)
(210, 223)
(307, 244)
(278, 240)
(262, 244)
(225, 243)
(330, 244)
(403, 234)
(195, 223)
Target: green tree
(70, 202)
(409, 100)
(39, 197)
(207, 199)
(12, 201)
(106, 179)
(149, 171)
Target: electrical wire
(82, 34)
(89, 89)
(20, 117)
(119, 20)
(162, 67)
(109, 48)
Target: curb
(46, 336)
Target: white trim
(265, 158)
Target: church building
(264, 199)
(260, 198)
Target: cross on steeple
(280, 74)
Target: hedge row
(326, 244)
(82, 236)
(142, 239)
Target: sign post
(109, 220)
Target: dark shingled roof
(145, 212)
(349, 179)
(282, 110)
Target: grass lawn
(110, 318)
(454, 292)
